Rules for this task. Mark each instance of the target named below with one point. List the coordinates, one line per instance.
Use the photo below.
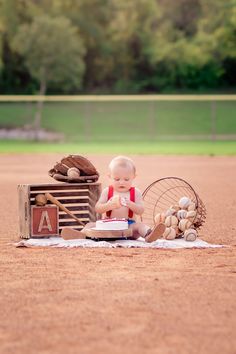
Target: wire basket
(165, 192)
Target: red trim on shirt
(132, 199)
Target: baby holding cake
(121, 202)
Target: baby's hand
(114, 202)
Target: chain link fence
(120, 118)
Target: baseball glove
(74, 169)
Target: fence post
(213, 120)
(151, 120)
(87, 121)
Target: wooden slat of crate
(63, 192)
(63, 223)
(75, 204)
(72, 221)
(68, 218)
(79, 206)
(24, 211)
(61, 186)
(78, 214)
(74, 227)
(59, 190)
(72, 202)
(68, 202)
(63, 198)
(92, 190)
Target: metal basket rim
(171, 177)
(199, 203)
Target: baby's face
(122, 178)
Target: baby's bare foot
(155, 233)
(70, 234)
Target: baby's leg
(139, 229)
(156, 232)
(150, 235)
(70, 234)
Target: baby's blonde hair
(122, 161)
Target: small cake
(111, 224)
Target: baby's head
(122, 172)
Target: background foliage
(123, 45)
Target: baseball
(73, 172)
(170, 211)
(175, 207)
(190, 235)
(184, 202)
(171, 221)
(159, 217)
(181, 214)
(116, 199)
(40, 200)
(192, 206)
(184, 224)
(190, 215)
(169, 233)
(123, 201)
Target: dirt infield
(121, 300)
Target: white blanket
(140, 243)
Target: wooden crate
(79, 198)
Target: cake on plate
(111, 224)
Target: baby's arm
(103, 205)
(137, 206)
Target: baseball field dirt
(121, 300)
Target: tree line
(117, 46)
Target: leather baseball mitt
(74, 169)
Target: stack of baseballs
(179, 220)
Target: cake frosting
(111, 224)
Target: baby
(122, 200)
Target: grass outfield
(163, 148)
(126, 120)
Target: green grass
(142, 147)
(123, 121)
(126, 127)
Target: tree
(1, 33)
(131, 46)
(0, 48)
(53, 53)
(93, 18)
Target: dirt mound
(121, 300)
